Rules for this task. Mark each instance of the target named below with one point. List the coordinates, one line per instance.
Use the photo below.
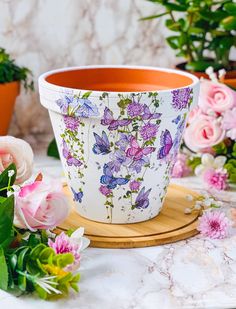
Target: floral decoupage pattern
(122, 148)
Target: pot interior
(119, 79)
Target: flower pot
(118, 130)
(230, 76)
(8, 94)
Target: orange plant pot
(8, 94)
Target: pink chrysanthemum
(216, 179)
(214, 224)
(64, 244)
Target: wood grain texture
(169, 226)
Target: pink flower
(134, 185)
(194, 113)
(216, 97)
(229, 123)
(203, 132)
(15, 150)
(40, 205)
(73, 244)
(180, 168)
(216, 179)
(105, 191)
(214, 224)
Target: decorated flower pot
(118, 130)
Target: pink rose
(15, 150)
(40, 205)
(194, 113)
(216, 97)
(202, 133)
(229, 123)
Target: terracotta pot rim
(9, 83)
(47, 80)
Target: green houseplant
(200, 28)
(11, 76)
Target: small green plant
(10, 72)
(201, 26)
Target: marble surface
(195, 273)
(48, 34)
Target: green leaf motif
(3, 271)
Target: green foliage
(220, 149)
(231, 169)
(200, 26)
(10, 72)
(53, 150)
(5, 182)
(3, 271)
(194, 162)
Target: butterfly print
(77, 195)
(108, 120)
(136, 152)
(147, 115)
(102, 145)
(166, 144)
(142, 200)
(177, 120)
(70, 160)
(109, 180)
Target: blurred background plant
(202, 28)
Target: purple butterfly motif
(86, 109)
(136, 152)
(109, 180)
(108, 120)
(147, 115)
(176, 120)
(102, 145)
(70, 160)
(166, 144)
(142, 200)
(77, 195)
(65, 102)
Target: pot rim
(96, 93)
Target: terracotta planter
(8, 94)
(230, 77)
(118, 130)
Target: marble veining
(194, 273)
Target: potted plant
(11, 76)
(201, 28)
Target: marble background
(48, 34)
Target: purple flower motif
(119, 158)
(72, 123)
(77, 195)
(148, 131)
(134, 185)
(70, 160)
(124, 141)
(181, 98)
(142, 200)
(134, 109)
(105, 191)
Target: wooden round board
(171, 225)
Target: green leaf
(194, 162)
(36, 251)
(62, 260)
(213, 16)
(21, 262)
(45, 254)
(41, 292)
(220, 149)
(154, 16)
(176, 7)
(6, 218)
(12, 261)
(229, 23)
(53, 150)
(22, 282)
(173, 41)
(3, 271)
(201, 66)
(230, 8)
(86, 95)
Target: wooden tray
(169, 226)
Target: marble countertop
(195, 273)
